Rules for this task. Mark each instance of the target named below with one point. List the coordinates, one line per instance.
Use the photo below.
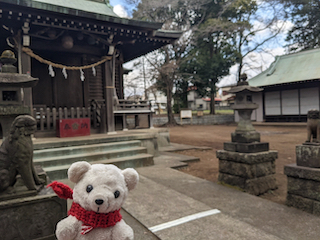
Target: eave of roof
(291, 68)
(47, 13)
(82, 8)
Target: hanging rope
(56, 65)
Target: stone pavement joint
(183, 220)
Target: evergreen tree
(305, 15)
(211, 56)
(176, 15)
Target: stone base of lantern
(246, 147)
(252, 172)
(303, 188)
(245, 136)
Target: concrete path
(175, 206)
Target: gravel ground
(281, 138)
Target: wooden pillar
(124, 122)
(24, 64)
(121, 93)
(150, 120)
(103, 125)
(109, 91)
(26, 69)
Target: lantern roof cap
(244, 86)
(17, 80)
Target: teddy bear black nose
(99, 201)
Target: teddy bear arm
(122, 231)
(68, 228)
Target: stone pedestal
(303, 190)
(303, 187)
(32, 217)
(252, 172)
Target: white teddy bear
(99, 192)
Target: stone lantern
(12, 101)
(245, 136)
(246, 162)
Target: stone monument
(27, 210)
(246, 162)
(303, 186)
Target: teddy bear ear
(131, 177)
(77, 170)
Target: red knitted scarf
(90, 219)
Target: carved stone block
(31, 217)
(255, 186)
(301, 203)
(252, 172)
(246, 147)
(303, 190)
(247, 171)
(232, 180)
(260, 185)
(252, 158)
(292, 170)
(308, 155)
(245, 137)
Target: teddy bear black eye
(116, 194)
(89, 188)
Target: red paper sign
(73, 127)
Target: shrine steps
(124, 154)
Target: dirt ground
(281, 138)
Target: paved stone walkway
(177, 206)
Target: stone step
(51, 143)
(84, 149)
(89, 157)
(135, 161)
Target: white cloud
(120, 11)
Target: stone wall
(204, 120)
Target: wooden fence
(47, 117)
(133, 105)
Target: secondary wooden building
(291, 87)
(76, 48)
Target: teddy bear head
(101, 188)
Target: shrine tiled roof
(83, 5)
(83, 8)
(291, 68)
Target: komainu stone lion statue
(16, 154)
(313, 126)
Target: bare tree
(251, 23)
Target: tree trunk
(240, 69)
(212, 103)
(184, 95)
(170, 114)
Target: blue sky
(121, 8)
